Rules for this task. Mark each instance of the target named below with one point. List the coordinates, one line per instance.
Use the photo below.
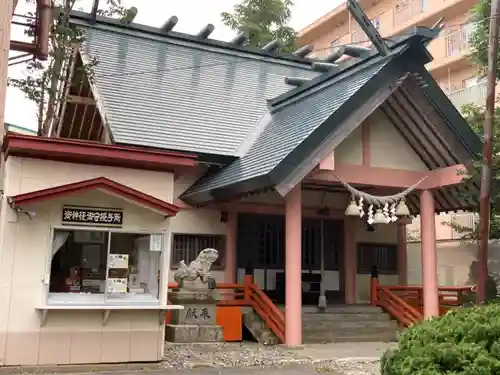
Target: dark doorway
(261, 246)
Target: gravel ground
(294, 369)
(225, 358)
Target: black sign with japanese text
(92, 216)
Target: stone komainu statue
(198, 268)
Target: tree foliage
(474, 114)
(479, 38)
(464, 341)
(262, 21)
(43, 81)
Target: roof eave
(230, 191)
(442, 103)
(86, 152)
(99, 183)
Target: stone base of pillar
(322, 303)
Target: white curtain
(60, 239)
(148, 265)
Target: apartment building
(453, 71)
(451, 68)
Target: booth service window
(100, 266)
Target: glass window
(384, 257)
(99, 266)
(186, 247)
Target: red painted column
(429, 254)
(230, 255)
(402, 253)
(350, 260)
(293, 267)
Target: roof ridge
(397, 48)
(84, 20)
(324, 81)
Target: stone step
(362, 337)
(348, 309)
(354, 309)
(259, 330)
(333, 317)
(323, 331)
(346, 324)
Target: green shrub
(464, 341)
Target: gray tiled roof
(171, 94)
(290, 124)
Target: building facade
(451, 68)
(180, 143)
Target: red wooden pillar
(293, 267)
(429, 254)
(402, 253)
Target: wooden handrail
(254, 297)
(404, 302)
(391, 307)
(414, 315)
(419, 287)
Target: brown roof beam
(23, 47)
(80, 100)
(44, 20)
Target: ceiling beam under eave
(391, 178)
(80, 100)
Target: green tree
(43, 80)
(464, 341)
(479, 39)
(474, 114)
(262, 21)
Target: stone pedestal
(197, 321)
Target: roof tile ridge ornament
(305, 87)
(367, 26)
(238, 43)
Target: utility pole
(484, 203)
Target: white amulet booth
(84, 252)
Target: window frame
(363, 271)
(164, 256)
(215, 267)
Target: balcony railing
(358, 36)
(458, 42)
(407, 10)
(470, 95)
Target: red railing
(405, 302)
(249, 294)
(398, 308)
